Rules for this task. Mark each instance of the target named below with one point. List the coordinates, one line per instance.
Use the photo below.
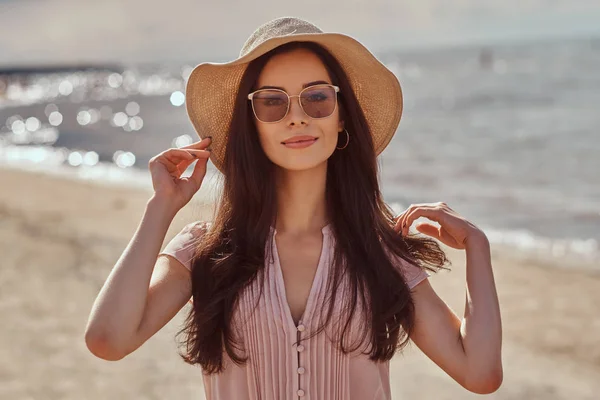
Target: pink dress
(278, 367)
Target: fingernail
(210, 137)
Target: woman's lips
(300, 144)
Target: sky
(82, 31)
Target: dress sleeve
(413, 274)
(182, 245)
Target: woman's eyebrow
(303, 86)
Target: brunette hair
(231, 255)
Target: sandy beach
(59, 239)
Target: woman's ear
(341, 126)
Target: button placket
(300, 348)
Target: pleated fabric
(283, 362)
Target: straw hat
(211, 89)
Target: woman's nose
(296, 114)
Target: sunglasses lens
(318, 101)
(270, 105)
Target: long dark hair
(231, 254)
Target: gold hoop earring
(347, 140)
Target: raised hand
(166, 169)
(454, 231)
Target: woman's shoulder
(193, 230)
(183, 244)
(196, 226)
(413, 274)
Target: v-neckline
(280, 284)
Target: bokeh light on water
(492, 122)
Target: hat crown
(279, 27)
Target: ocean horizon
(506, 134)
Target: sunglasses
(272, 105)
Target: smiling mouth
(300, 141)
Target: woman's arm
(137, 299)
(468, 350)
(481, 328)
(129, 309)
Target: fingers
(178, 155)
(429, 230)
(169, 165)
(401, 221)
(183, 157)
(199, 153)
(198, 174)
(438, 233)
(428, 210)
(202, 144)
(175, 166)
(175, 156)
(177, 160)
(423, 211)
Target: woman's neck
(301, 201)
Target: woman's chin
(302, 163)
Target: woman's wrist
(162, 205)
(477, 239)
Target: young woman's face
(293, 71)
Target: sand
(59, 239)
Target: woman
(305, 284)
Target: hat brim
(211, 89)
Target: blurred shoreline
(61, 237)
(520, 244)
(485, 129)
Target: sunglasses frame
(251, 95)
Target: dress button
(300, 348)
(300, 392)
(301, 370)
(301, 328)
